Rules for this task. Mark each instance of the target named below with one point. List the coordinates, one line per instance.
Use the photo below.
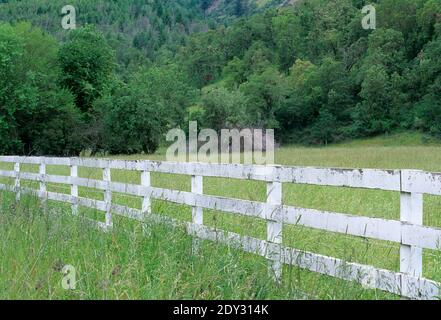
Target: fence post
(108, 196)
(42, 172)
(274, 230)
(74, 187)
(197, 212)
(411, 257)
(17, 181)
(146, 208)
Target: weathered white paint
(131, 213)
(108, 196)
(60, 197)
(10, 159)
(274, 229)
(367, 178)
(411, 257)
(421, 182)
(36, 160)
(94, 204)
(146, 200)
(409, 232)
(74, 188)
(421, 236)
(376, 228)
(7, 174)
(43, 178)
(197, 188)
(379, 278)
(90, 183)
(146, 206)
(17, 180)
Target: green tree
(87, 63)
(11, 50)
(429, 19)
(428, 72)
(324, 129)
(266, 92)
(132, 117)
(203, 58)
(316, 94)
(223, 109)
(128, 121)
(169, 86)
(402, 16)
(288, 34)
(380, 76)
(36, 115)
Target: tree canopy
(134, 69)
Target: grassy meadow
(126, 264)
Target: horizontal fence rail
(409, 232)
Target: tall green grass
(126, 265)
(36, 242)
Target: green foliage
(317, 94)
(223, 109)
(132, 117)
(145, 25)
(308, 70)
(129, 121)
(312, 68)
(429, 71)
(87, 64)
(380, 77)
(11, 49)
(36, 115)
(266, 93)
(203, 58)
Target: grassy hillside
(405, 150)
(408, 150)
(398, 139)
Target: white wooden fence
(410, 233)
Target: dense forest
(135, 68)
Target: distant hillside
(144, 25)
(226, 10)
(137, 27)
(141, 24)
(310, 71)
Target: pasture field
(127, 264)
